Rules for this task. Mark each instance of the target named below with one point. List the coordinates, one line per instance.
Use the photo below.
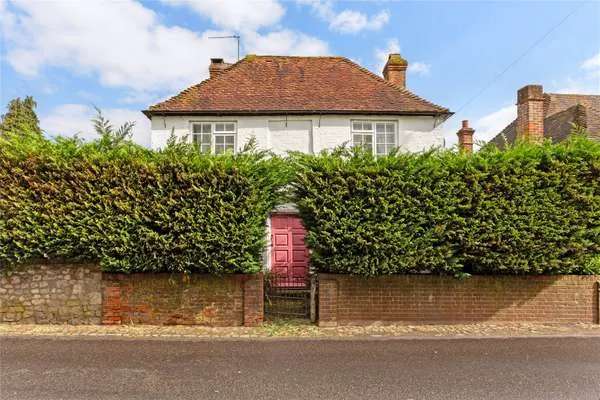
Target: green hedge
(526, 210)
(134, 209)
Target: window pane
(381, 150)
(229, 127)
(206, 128)
(196, 139)
(357, 126)
(380, 139)
(368, 139)
(229, 147)
(219, 139)
(196, 128)
(206, 138)
(389, 128)
(229, 139)
(367, 126)
(219, 127)
(368, 147)
(357, 139)
(390, 138)
(380, 128)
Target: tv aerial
(236, 37)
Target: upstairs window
(216, 137)
(378, 137)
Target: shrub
(134, 209)
(530, 209)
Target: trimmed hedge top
(135, 209)
(530, 209)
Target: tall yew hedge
(134, 209)
(531, 209)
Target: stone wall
(82, 294)
(51, 294)
(424, 299)
(175, 299)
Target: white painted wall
(306, 133)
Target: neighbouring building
(302, 104)
(551, 116)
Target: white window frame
(363, 131)
(220, 135)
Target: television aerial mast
(236, 37)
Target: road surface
(537, 368)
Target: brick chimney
(217, 65)
(530, 113)
(465, 138)
(395, 70)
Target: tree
(21, 118)
(109, 136)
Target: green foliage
(134, 209)
(20, 118)
(109, 136)
(531, 209)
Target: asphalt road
(541, 368)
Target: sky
(122, 56)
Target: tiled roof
(281, 84)
(561, 111)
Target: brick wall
(169, 299)
(51, 294)
(422, 299)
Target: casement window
(375, 136)
(216, 137)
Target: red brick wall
(169, 299)
(423, 299)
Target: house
(302, 104)
(551, 116)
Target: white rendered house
(302, 104)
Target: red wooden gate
(289, 258)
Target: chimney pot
(465, 137)
(217, 66)
(530, 113)
(395, 70)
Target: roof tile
(282, 84)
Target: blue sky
(125, 55)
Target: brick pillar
(465, 138)
(254, 300)
(530, 113)
(328, 293)
(111, 301)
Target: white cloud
(486, 127)
(592, 63)
(381, 55)
(347, 21)
(75, 119)
(238, 15)
(393, 46)
(587, 81)
(419, 68)
(121, 42)
(491, 124)
(285, 42)
(124, 44)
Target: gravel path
(301, 329)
